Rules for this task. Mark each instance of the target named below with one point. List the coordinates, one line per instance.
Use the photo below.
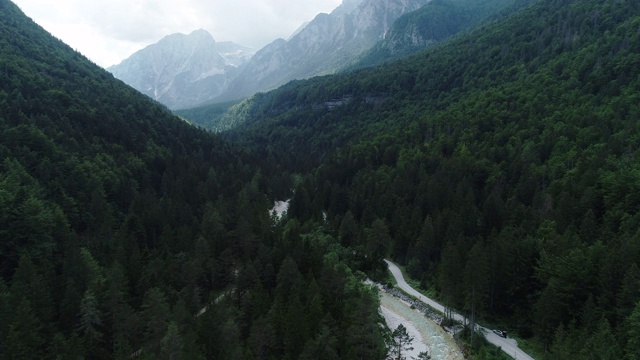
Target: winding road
(509, 346)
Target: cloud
(107, 31)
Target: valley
(491, 148)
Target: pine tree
(633, 334)
(476, 283)
(400, 342)
(90, 318)
(172, 344)
(156, 315)
(24, 339)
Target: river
(427, 335)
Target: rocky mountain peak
(347, 7)
(182, 70)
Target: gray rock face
(326, 44)
(183, 71)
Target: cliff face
(326, 44)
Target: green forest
(500, 167)
(127, 233)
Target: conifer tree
(400, 343)
(90, 318)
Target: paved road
(509, 346)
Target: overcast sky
(108, 31)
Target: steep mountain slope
(502, 164)
(182, 71)
(326, 44)
(127, 233)
(433, 23)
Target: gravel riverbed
(427, 334)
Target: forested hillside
(501, 168)
(209, 116)
(127, 233)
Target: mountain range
(431, 24)
(325, 45)
(182, 71)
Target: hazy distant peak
(347, 6)
(182, 70)
(196, 39)
(201, 34)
